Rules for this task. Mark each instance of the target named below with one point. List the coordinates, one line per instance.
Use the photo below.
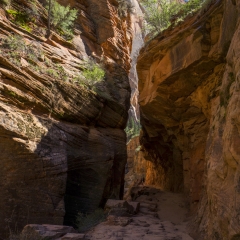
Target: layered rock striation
(189, 95)
(63, 145)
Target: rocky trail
(161, 216)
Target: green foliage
(51, 72)
(160, 14)
(62, 18)
(15, 43)
(124, 7)
(33, 11)
(86, 221)
(26, 27)
(133, 128)
(80, 80)
(15, 46)
(20, 18)
(61, 72)
(93, 73)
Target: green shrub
(133, 128)
(61, 72)
(79, 79)
(14, 43)
(61, 18)
(33, 11)
(160, 14)
(93, 73)
(15, 47)
(26, 27)
(20, 18)
(86, 221)
(51, 72)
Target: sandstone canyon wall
(189, 104)
(63, 147)
(140, 169)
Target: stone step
(131, 207)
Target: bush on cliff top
(160, 14)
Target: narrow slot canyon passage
(108, 131)
(154, 206)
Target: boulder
(52, 232)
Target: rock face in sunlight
(189, 103)
(136, 164)
(63, 144)
(140, 170)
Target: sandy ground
(162, 216)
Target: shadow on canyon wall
(49, 179)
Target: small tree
(60, 17)
(160, 14)
(94, 73)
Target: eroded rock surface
(63, 145)
(189, 101)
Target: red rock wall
(136, 164)
(63, 146)
(189, 107)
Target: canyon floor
(162, 216)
